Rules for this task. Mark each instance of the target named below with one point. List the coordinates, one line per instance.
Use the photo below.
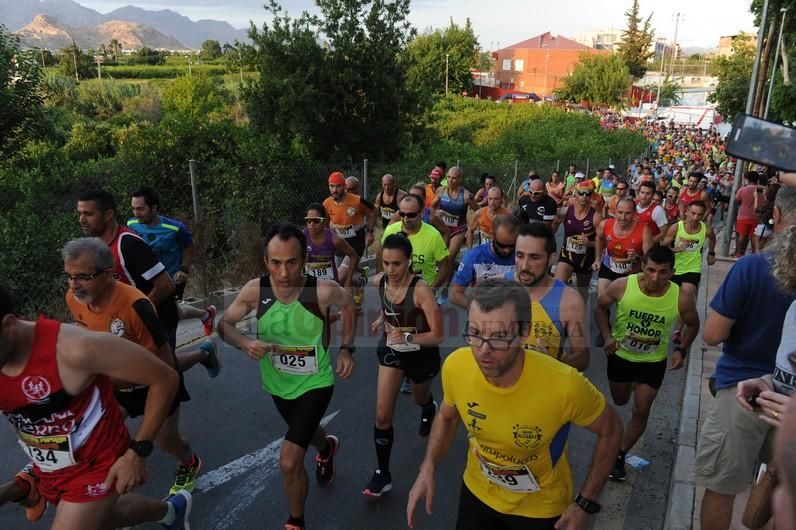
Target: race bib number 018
(296, 360)
(49, 453)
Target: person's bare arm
(608, 429)
(711, 235)
(437, 199)
(162, 288)
(671, 233)
(443, 266)
(573, 315)
(424, 299)
(443, 431)
(599, 245)
(330, 293)
(690, 317)
(443, 229)
(342, 246)
(717, 328)
(244, 303)
(610, 296)
(647, 238)
(458, 295)
(185, 263)
(597, 220)
(472, 224)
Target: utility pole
(750, 99)
(74, 60)
(782, 10)
(674, 49)
(447, 55)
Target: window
(519, 64)
(506, 64)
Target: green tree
(21, 105)
(147, 56)
(194, 97)
(72, 58)
(636, 44)
(427, 55)
(733, 75)
(669, 94)
(598, 80)
(211, 49)
(114, 46)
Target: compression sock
(383, 439)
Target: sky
(499, 23)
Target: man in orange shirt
(99, 302)
(483, 218)
(351, 217)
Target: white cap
(580, 175)
(611, 167)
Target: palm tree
(114, 45)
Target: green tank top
(301, 360)
(643, 323)
(689, 260)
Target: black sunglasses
(410, 215)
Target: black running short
(419, 366)
(178, 294)
(580, 263)
(475, 515)
(303, 414)
(608, 274)
(687, 277)
(623, 371)
(134, 401)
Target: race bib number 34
(297, 360)
(49, 453)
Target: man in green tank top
(292, 348)
(687, 239)
(647, 306)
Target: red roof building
(538, 64)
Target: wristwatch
(142, 448)
(588, 506)
(350, 347)
(409, 338)
(682, 350)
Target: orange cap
(337, 178)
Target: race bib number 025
(49, 453)
(296, 360)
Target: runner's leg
(564, 271)
(294, 477)
(643, 397)
(620, 392)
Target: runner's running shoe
(209, 323)
(291, 526)
(618, 472)
(182, 501)
(33, 502)
(185, 476)
(211, 362)
(324, 470)
(379, 484)
(406, 386)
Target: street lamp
(446, 73)
(782, 10)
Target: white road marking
(262, 457)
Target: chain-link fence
(236, 205)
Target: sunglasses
(314, 220)
(585, 193)
(502, 245)
(537, 192)
(410, 215)
(621, 188)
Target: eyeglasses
(537, 192)
(585, 193)
(82, 278)
(503, 245)
(314, 220)
(495, 344)
(410, 215)
(671, 197)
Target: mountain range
(74, 19)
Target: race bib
(320, 269)
(344, 231)
(636, 344)
(689, 245)
(575, 247)
(387, 213)
(620, 266)
(451, 221)
(296, 360)
(49, 453)
(517, 479)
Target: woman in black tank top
(412, 331)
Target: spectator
(747, 317)
(748, 198)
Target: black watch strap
(589, 506)
(142, 448)
(682, 350)
(350, 347)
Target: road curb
(682, 489)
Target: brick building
(538, 64)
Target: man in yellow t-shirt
(517, 472)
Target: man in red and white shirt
(649, 213)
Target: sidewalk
(685, 497)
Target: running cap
(580, 175)
(586, 185)
(611, 167)
(436, 173)
(337, 178)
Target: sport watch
(142, 448)
(587, 505)
(350, 347)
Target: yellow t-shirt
(526, 425)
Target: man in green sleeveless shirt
(687, 239)
(647, 306)
(293, 350)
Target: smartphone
(764, 142)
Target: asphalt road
(231, 417)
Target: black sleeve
(366, 202)
(550, 207)
(140, 262)
(143, 308)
